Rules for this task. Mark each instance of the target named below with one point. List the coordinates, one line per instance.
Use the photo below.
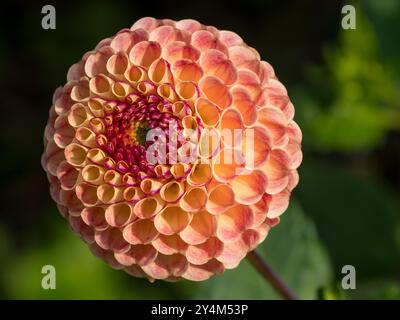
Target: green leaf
(351, 101)
(293, 251)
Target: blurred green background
(345, 87)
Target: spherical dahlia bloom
(172, 150)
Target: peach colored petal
(275, 122)
(294, 132)
(233, 222)
(232, 253)
(201, 228)
(78, 115)
(209, 143)
(278, 204)
(133, 194)
(141, 231)
(136, 271)
(119, 214)
(111, 239)
(203, 40)
(144, 53)
(178, 170)
(63, 102)
(251, 238)
(148, 207)
(164, 266)
(170, 244)
(76, 71)
(194, 200)
(135, 74)
(96, 155)
(101, 86)
(215, 63)
(296, 155)
(179, 50)
(87, 194)
(124, 41)
(171, 220)
(266, 72)
(202, 253)
(260, 209)
(255, 146)
(276, 169)
(165, 35)
(264, 228)
(200, 174)
(106, 255)
(249, 80)
(172, 191)
(93, 174)
(80, 92)
(75, 154)
(141, 255)
(109, 194)
(228, 164)
(67, 175)
(159, 72)
(95, 217)
(150, 186)
(208, 112)
(113, 178)
(231, 127)
(243, 102)
(244, 58)
(220, 199)
(86, 137)
(187, 90)
(293, 179)
(203, 272)
(167, 92)
(249, 188)
(229, 38)
(216, 91)
(188, 25)
(118, 64)
(96, 62)
(69, 199)
(55, 155)
(187, 70)
(146, 23)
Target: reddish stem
(268, 274)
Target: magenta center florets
(126, 127)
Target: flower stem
(268, 274)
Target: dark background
(344, 85)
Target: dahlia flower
(172, 150)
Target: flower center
(127, 128)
